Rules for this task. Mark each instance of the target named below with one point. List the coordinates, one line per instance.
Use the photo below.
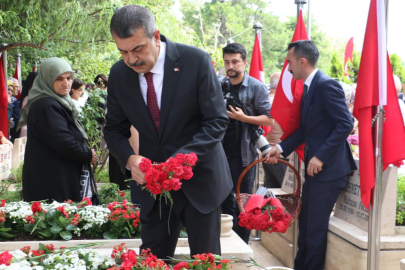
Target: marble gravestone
(288, 181)
(350, 208)
(18, 152)
(5, 161)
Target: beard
(237, 73)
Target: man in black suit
(169, 92)
(325, 124)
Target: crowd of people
(164, 98)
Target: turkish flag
(348, 54)
(3, 101)
(286, 107)
(17, 75)
(375, 86)
(256, 64)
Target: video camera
(226, 91)
(256, 133)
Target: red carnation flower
(145, 165)
(5, 258)
(36, 207)
(181, 265)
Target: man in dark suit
(169, 92)
(325, 125)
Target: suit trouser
(274, 174)
(229, 206)
(203, 230)
(318, 199)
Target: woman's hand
(5, 141)
(94, 158)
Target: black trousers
(229, 206)
(318, 199)
(161, 234)
(115, 173)
(274, 174)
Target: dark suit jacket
(193, 118)
(325, 124)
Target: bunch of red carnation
(166, 176)
(269, 219)
(127, 259)
(123, 211)
(205, 261)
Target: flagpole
(19, 68)
(374, 223)
(5, 65)
(256, 236)
(297, 165)
(309, 20)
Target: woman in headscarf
(56, 152)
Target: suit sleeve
(53, 128)
(117, 128)
(293, 141)
(214, 117)
(334, 103)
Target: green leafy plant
(90, 118)
(102, 175)
(16, 175)
(110, 192)
(400, 217)
(10, 192)
(55, 222)
(124, 221)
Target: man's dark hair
(305, 49)
(235, 48)
(77, 83)
(128, 19)
(101, 80)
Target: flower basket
(291, 202)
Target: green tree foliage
(76, 30)
(215, 22)
(336, 68)
(353, 68)
(397, 66)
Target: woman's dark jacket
(54, 154)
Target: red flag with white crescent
(256, 64)
(286, 107)
(375, 86)
(348, 54)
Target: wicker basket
(291, 202)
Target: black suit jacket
(325, 125)
(193, 118)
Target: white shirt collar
(308, 81)
(159, 66)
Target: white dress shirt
(307, 82)
(158, 75)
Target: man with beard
(250, 109)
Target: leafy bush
(8, 193)
(102, 175)
(401, 200)
(16, 175)
(90, 118)
(110, 192)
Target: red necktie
(151, 100)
